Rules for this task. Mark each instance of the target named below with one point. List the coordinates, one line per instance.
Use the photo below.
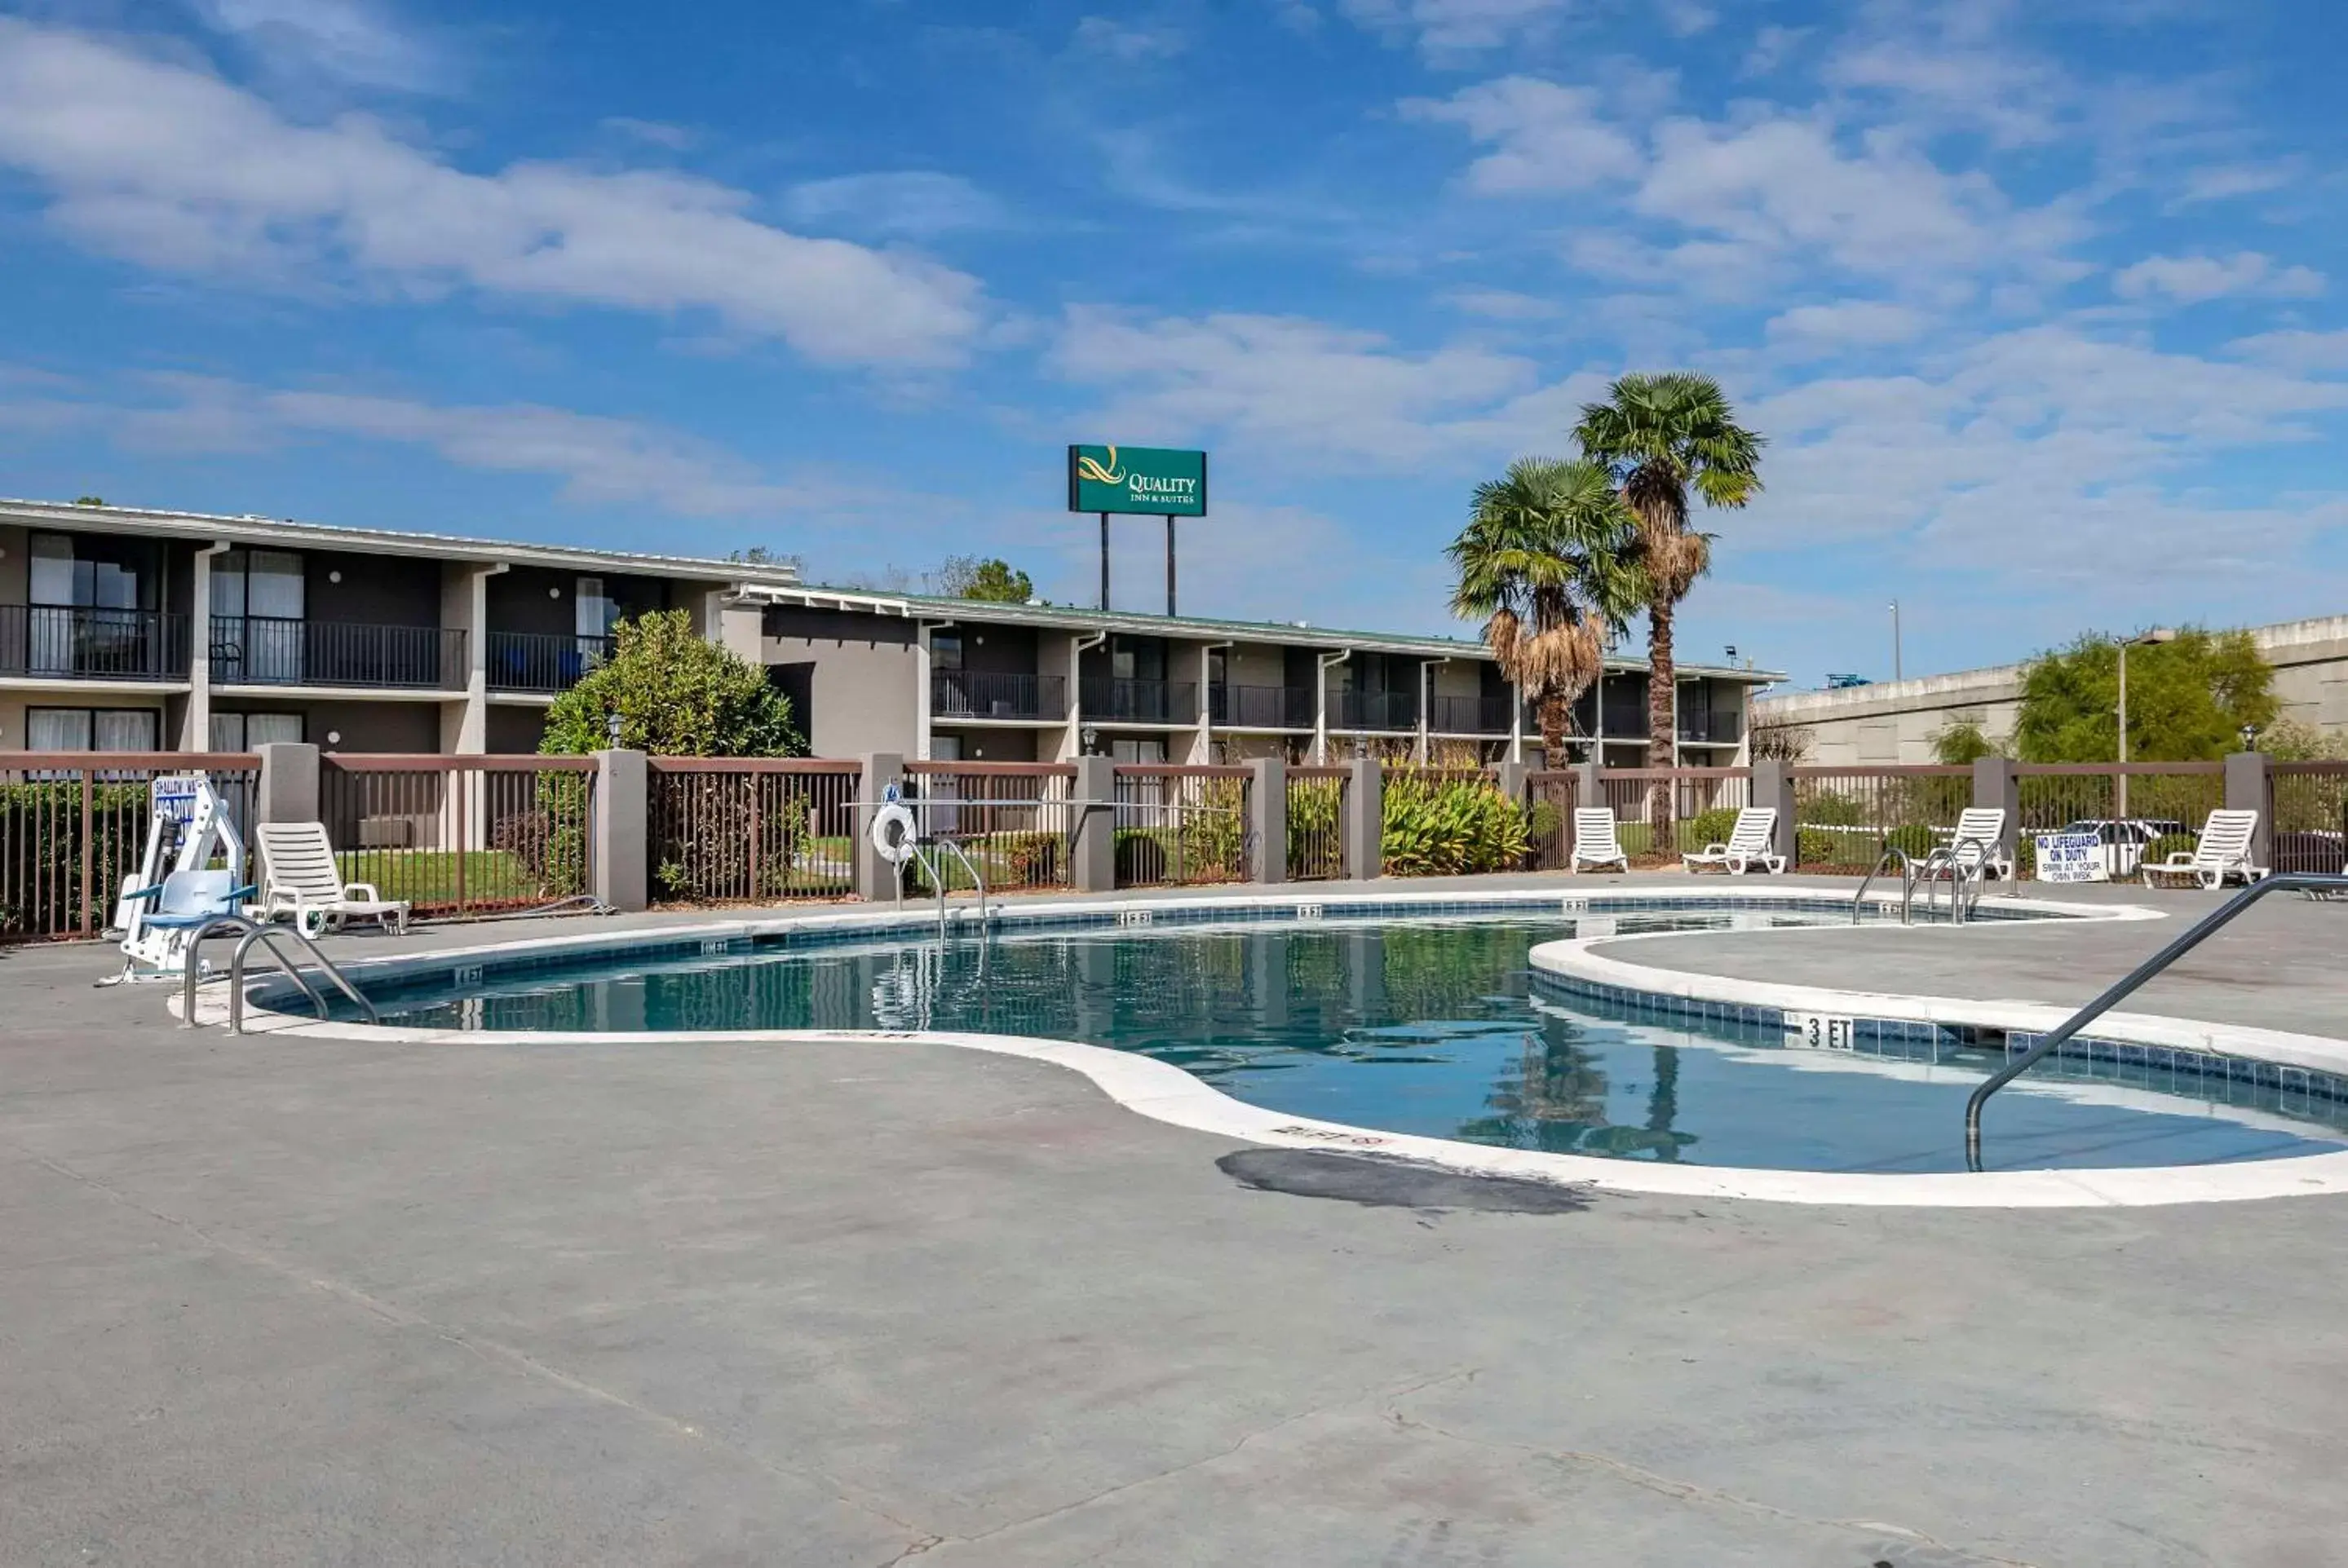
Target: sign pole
(1170, 565)
(1104, 604)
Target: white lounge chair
(301, 877)
(1978, 845)
(2222, 851)
(1595, 843)
(1748, 846)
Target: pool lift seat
(176, 888)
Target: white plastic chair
(1595, 843)
(2222, 851)
(1749, 845)
(301, 877)
(1979, 843)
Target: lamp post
(2159, 634)
(1895, 640)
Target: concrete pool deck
(269, 1299)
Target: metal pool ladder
(268, 936)
(2206, 927)
(932, 866)
(1913, 873)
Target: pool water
(1435, 1027)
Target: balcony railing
(1260, 707)
(1377, 711)
(268, 650)
(1467, 715)
(86, 643)
(1141, 701)
(987, 694)
(1712, 728)
(542, 661)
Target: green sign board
(1155, 480)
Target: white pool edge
(1165, 1093)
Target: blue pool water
(1435, 1027)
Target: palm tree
(1658, 435)
(1547, 560)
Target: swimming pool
(1427, 1024)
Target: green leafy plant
(41, 824)
(675, 693)
(2188, 699)
(1436, 826)
(1314, 808)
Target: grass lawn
(428, 878)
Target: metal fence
(1316, 816)
(1548, 819)
(1012, 819)
(751, 829)
(1180, 826)
(1844, 818)
(73, 826)
(462, 834)
(2308, 804)
(1661, 814)
(2165, 798)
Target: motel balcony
(1374, 711)
(1111, 701)
(1468, 715)
(265, 650)
(541, 660)
(1260, 707)
(987, 694)
(86, 643)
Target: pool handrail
(267, 935)
(1907, 881)
(2208, 926)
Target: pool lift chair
(176, 888)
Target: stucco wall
(863, 692)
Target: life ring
(893, 832)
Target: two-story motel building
(126, 630)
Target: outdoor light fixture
(554, 593)
(611, 728)
(1092, 742)
(2250, 737)
(334, 576)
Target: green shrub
(1706, 828)
(740, 847)
(1916, 840)
(1831, 810)
(1141, 856)
(675, 693)
(1210, 837)
(1438, 826)
(1028, 859)
(1812, 847)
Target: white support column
(465, 607)
(1516, 726)
(196, 729)
(1418, 750)
(1072, 739)
(1598, 737)
(1677, 760)
(1202, 742)
(1323, 664)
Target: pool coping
(1166, 1093)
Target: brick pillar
(876, 878)
(1092, 861)
(1773, 786)
(1365, 823)
(621, 826)
(1996, 787)
(2247, 789)
(289, 784)
(1267, 819)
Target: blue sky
(2039, 305)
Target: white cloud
(352, 40)
(652, 132)
(2040, 458)
(2015, 100)
(1314, 393)
(1546, 137)
(2297, 349)
(1855, 324)
(2224, 181)
(2190, 280)
(1772, 46)
(175, 170)
(1445, 30)
(1504, 304)
(1122, 41)
(918, 203)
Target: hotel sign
(1156, 481)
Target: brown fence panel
(1845, 816)
(73, 826)
(1012, 819)
(1662, 814)
(1548, 819)
(751, 829)
(1316, 816)
(462, 834)
(1181, 826)
(2307, 808)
